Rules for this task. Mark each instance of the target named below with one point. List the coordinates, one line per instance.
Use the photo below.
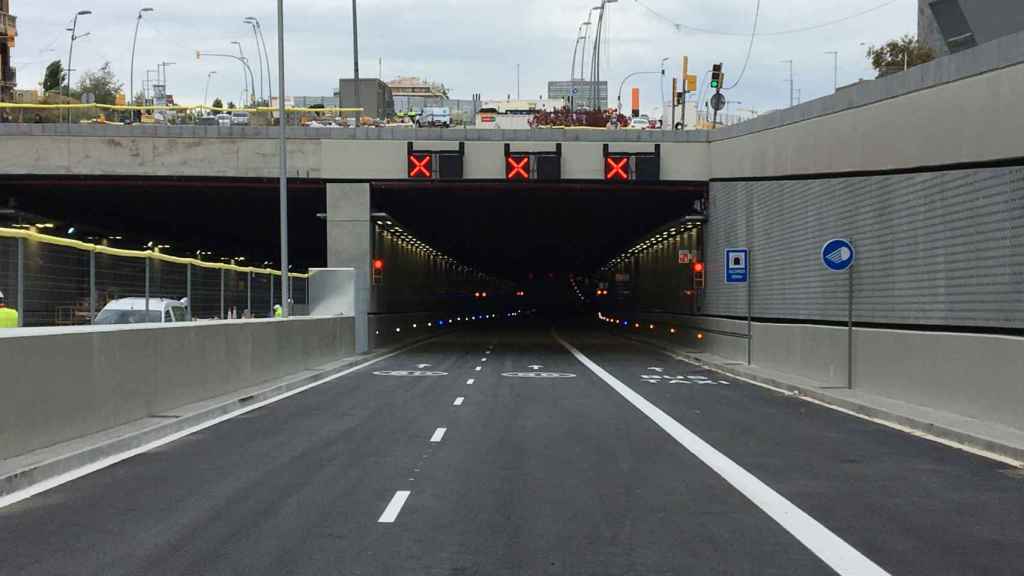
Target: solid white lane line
(832, 549)
(470, 381)
(66, 477)
(459, 401)
(394, 507)
(478, 368)
(438, 434)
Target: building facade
(584, 98)
(374, 97)
(8, 32)
(949, 26)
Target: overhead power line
(750, 47)
(680, 27)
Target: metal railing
(53, 281)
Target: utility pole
(355, 58)
(835, 70)
(283, 153)
(790, 62)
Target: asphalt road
(673, 470)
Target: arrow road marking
(422, 366)
(535, 367)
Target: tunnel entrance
(518, 232)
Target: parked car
(207, 121)
(224, 119)
(239, 118)
(639, 123)
(133, 311)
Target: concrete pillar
(349, 238)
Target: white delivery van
(434, 116)
(133, 311)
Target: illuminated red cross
(419, 166)
(616, 168)
(518, 170)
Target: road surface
(519, 450)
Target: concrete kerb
(30, 469)
(1010, 453)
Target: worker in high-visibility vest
(278, 311)
(8, 316)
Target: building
(8, 32)
(318, 101)
(374, 97)
(562, 90)
(949, 26)
(413, 94)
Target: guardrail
(54, 281)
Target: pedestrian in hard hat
(8, 316)
(278, 311)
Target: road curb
(47, 469)
(912, 424)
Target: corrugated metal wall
(938, 248)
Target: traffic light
(378, 272)
(716, 76)
(616, 168)
(698, 275)
(517, 167)
(420, 165)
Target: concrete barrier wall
(974, 375)
(61, 384)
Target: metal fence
(55, 281)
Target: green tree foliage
(217, 103)
(896, 55)
(54, 77)
(231, 106)
(101, 83)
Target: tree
(897, 55)
(231, 105)
(54, 77)
(217, 103)
(102, 84)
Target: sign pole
(750, 299)
(849, 332)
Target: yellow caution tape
(268, 109)
(151, 254)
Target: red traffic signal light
(420, 165)
(517, 167)
(698, 267)
(378, 264)
(616, 168)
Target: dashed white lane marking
(478, 368)
(394, 507)
(487, 352)
(832, 549)
(66, 477)
(470, 381)
(438, 434)
(459, 401)
(722, 382)
(483, 359)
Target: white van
(133, 311)
(434, 116)
(239, 118)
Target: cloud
(470, 45)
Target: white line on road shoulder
(394, 507)
(459, 401)
(438, 434)
(66, 477)
(832, 549)
(470, 381)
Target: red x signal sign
(518, 167)
(616, 168)
(419, 166)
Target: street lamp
(595, 61)
(572, 70)
(266, 57)
(71, 50)
(661, 84)
(623, 83)
(206, 93)
(245, 63)
(245, 77)
(283, 123)
(163, 80)
(131, 74)
(835, 69)
(259, 54)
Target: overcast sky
(469, 45)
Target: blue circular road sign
(838, 255)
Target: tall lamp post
(245, 64)
(572, 69)
(355, 59)
(245, 77)
(835, 69)
(206, 93)
(266, 57)
(71, 50)
(595, 61)
(259, 54)
(283, 122)
(131, 73)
